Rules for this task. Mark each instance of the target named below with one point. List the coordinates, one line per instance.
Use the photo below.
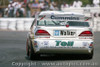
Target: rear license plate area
(66, 33)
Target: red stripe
(42, 17)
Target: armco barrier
(19, 24)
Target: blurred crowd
(28, 8)
(78, 4)
(21, 9)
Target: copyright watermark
(70, 64)
(29, 64)
(22, 64)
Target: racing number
(69, 43)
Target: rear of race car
(57, 39)
(68, 40)
(63, 37)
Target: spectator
(6, 12)
(10, 9)
(1, 12)
(28, 8)
(77, 3)
(53, 6)
(46, 4)
(64, 5)
(20, 9)
(15, 3)
(96, 3)
(23, 7)
(42, 5)
(35, 5)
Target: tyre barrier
(96, 15)
(19, 24)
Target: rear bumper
(62, 46)
(63, 51)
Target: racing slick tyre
(32, 54)
(27, 47)
(90, 56)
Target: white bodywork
(68, 42)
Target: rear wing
(61, 16)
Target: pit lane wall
(23, 24)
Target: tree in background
(70, 2)
(4, 2)
(85, 2)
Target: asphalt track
(13, 53)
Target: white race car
(56, 32)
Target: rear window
(62, 23)
(75, 23)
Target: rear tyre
(32, 54)
(90, 56)
(27, 48)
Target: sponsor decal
(91, 45)
(64, 18)
(85, 43)
(43, 17)
(68, 32)
(69, 43)
(35, 44)
(46, 42)
(57, 33)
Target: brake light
(86, 33)
(42, 33)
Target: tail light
(42, 33)
(86, 35)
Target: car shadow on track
(59, 57)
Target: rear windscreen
(62, 23)
(75, 23)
